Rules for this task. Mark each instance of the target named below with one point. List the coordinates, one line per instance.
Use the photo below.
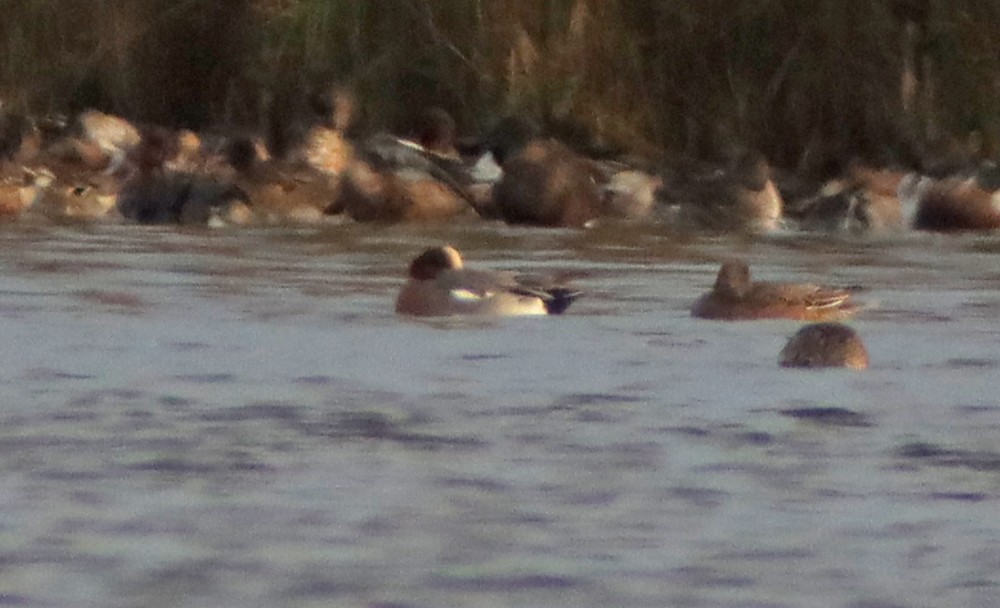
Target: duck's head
(436, 131)
(157, 146)
(733, 280)
(336, 107)
(241, 153)
(427, 265)
(510, 135)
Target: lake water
(236, 418)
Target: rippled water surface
(237, 419)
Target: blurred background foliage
(805, 81)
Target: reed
(806, 82)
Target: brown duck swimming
(735, 297)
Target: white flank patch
(486, 170)
(467, 295)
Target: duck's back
(765, 300)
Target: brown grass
(805, 82)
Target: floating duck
(440, 285)
(950, 205)
(735, 297)
(741, 196)
(394, 179)
(544, 182)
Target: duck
(278, 191)
(17, 193)
(439, 285)
(60, 188)
(326, 147)
(106, 139)
(85, 198)
(18, 190)
(740, 196)
(736, 297)
(394, 179)
(631, 194)
(820, 345)
(950, 205)
(155, 195)
(863, 200)
(544, 182)
(191, 153)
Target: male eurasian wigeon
(735, 297)
(440, 285)
(825, 345)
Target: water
(236, 418)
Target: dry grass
(803, 81)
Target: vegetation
(802, 80)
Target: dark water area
(236, 418)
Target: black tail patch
(560, 300)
